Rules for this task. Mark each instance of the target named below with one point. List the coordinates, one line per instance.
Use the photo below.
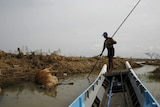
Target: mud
(15, 68)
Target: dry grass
(15, 68)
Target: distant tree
(153, 55)
(150, 55)
(156, 55)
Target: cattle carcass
(45, 78)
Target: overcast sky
(76, 26)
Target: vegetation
(153, 55)
(21, 66)
(156, 74)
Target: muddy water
(30, 95)
(152, 85)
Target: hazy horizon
(76, 26)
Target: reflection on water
(28, 94)
(24, 95)
(145, 69)
(152, 85)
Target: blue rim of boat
(86, 96)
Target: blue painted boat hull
(118, 89)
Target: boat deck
(117, 89)
(122, 94)
(119, 96)
(117, 100)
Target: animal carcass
(45, 78)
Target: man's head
(105, 35)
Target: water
(145, 69)
(152, 85)
(28, 94)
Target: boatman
(108, 43)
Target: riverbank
(156, 74)
(15, 68)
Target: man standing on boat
(108, 43)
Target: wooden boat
(118, 89)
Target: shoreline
(15, 68)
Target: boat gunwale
(104, 68)
(148, 96)
(148, 99)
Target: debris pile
(17, 67)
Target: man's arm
(103, 49)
